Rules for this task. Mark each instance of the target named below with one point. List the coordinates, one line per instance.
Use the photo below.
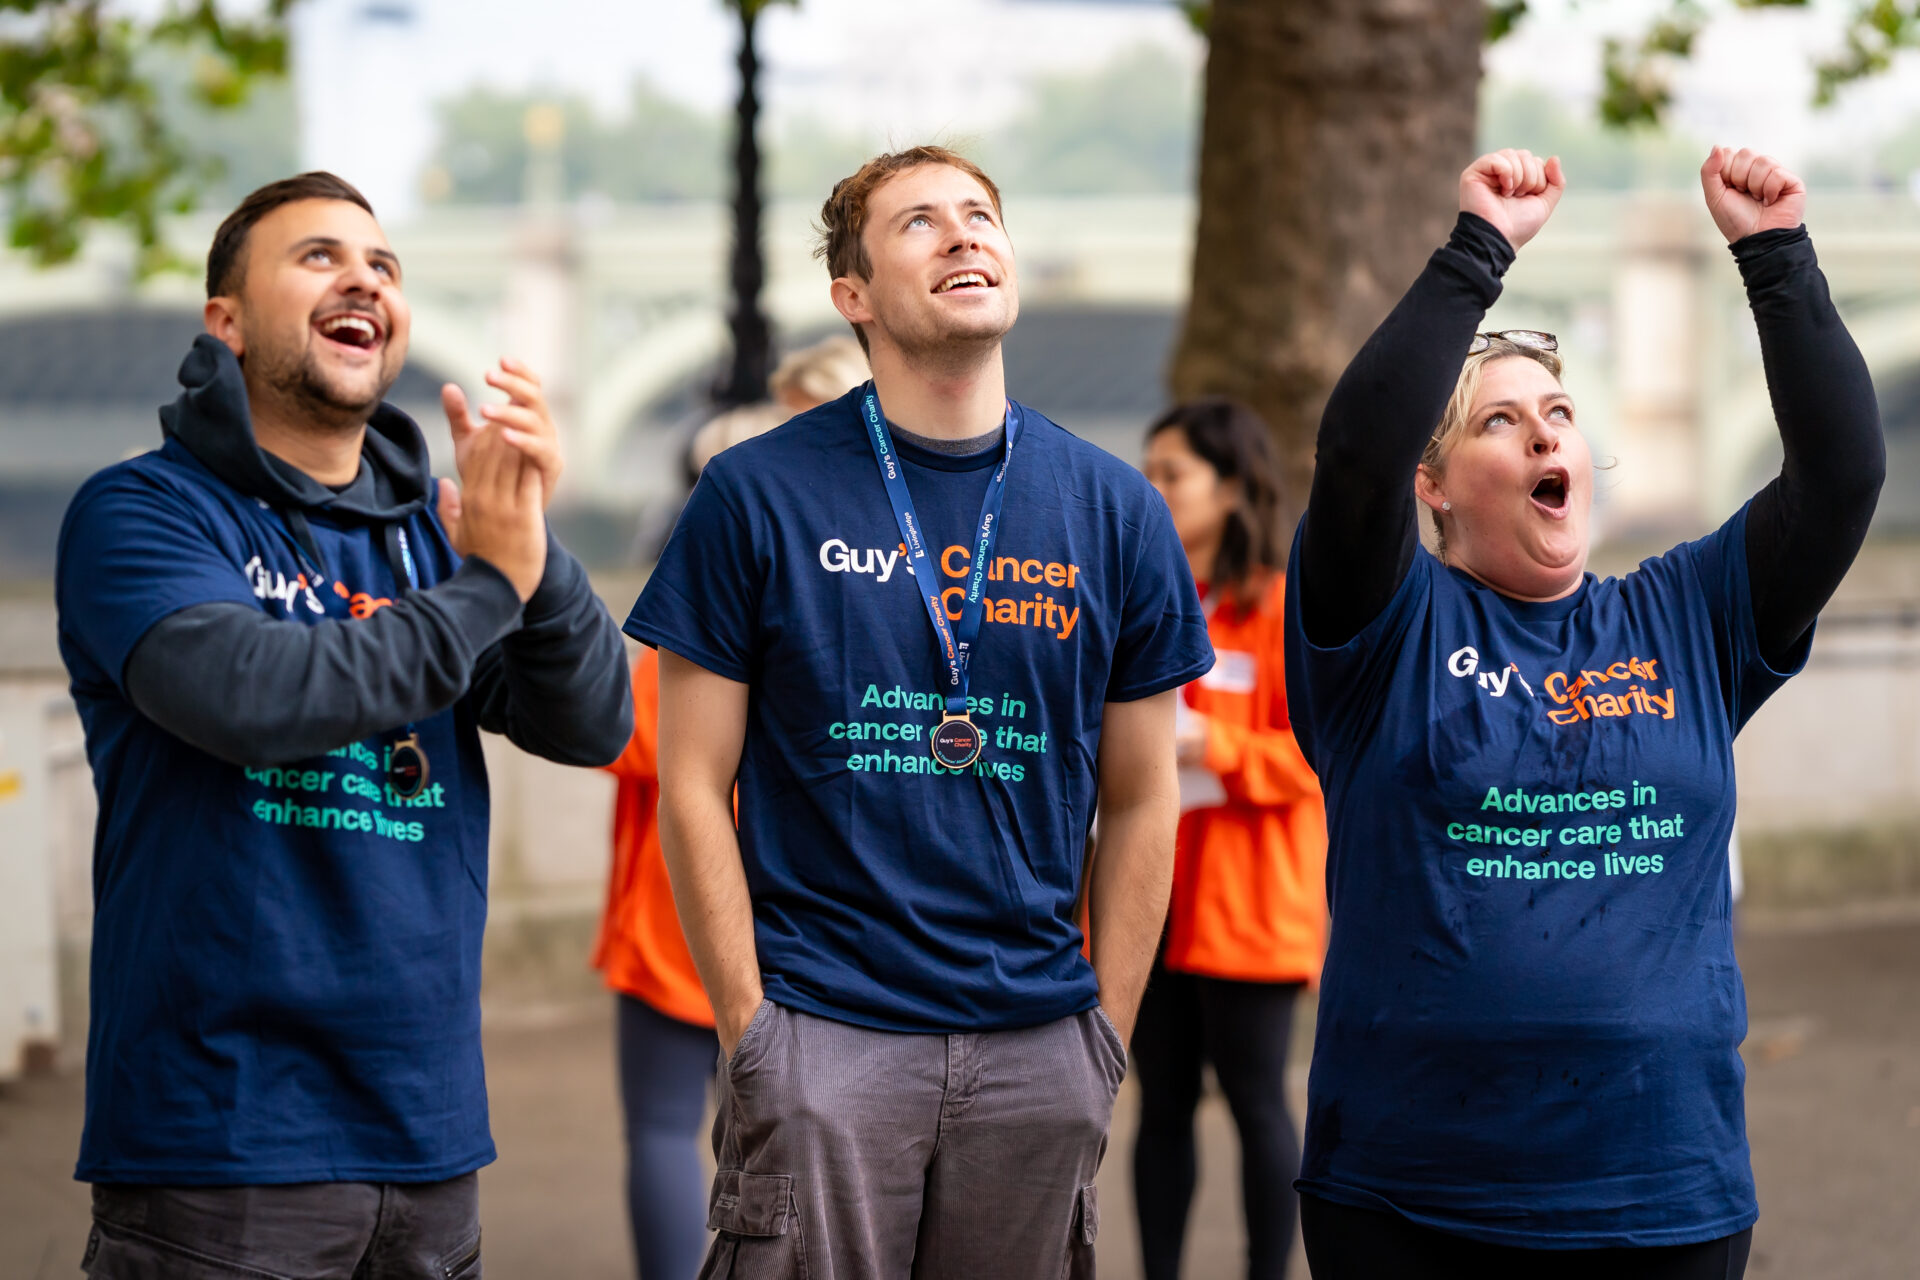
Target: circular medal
(956, 743)
(407, 767)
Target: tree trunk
(746, 380)
(1334, 138)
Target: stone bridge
(623, 310)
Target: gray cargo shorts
(851, 1154)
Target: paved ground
(1833, 1107)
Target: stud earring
(1446, 506)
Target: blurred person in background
(815, 374)
(1247, 921)
(805, 379)
(284, 639)
(667, 1047)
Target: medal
(956, 742)
(407, 767)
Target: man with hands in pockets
(923, 642)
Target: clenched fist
(1747, 192)
(1514, 190)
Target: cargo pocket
(1086, 1228)
(760, 1237)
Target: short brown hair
(843, 218)
(227, 259)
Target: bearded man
(284, 639)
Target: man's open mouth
(964, 280)
(1551, 492)
(355, 329)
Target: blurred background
(1205, 197)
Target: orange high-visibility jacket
(641, 949)
(1249, 880)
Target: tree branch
(83, 138)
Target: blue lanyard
(956, 645)
(406, 559)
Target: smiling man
(283, 642)
(921, 1062)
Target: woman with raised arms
(1512, 1062)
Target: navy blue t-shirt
(888, 892)
(1530, 1012)
(286, 961)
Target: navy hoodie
(286, 951)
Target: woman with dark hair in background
(1247, 923)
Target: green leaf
(1877, 30)
(1636, 87)
(85, 134)
(1502, 17)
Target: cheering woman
(1530, 1010)
(1247, 922)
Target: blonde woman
(1525, 1060)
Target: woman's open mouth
(1550, 494)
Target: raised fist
(1747, 192)
(1514, 190)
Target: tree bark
(1334, 136)
(746, 379)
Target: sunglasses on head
(1518, 337)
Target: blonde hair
(730, 429)
(824, 371)
(1460, 407)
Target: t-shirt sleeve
(703, 599)
(1718, 563)
(1162, 641)
(1335, 694)
(132, 552)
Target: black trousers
(1242, 1028)
(308, 1231)
(1345, 1243)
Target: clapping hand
(507, 470)
(1514, 190)
(524, 422)
(1748, 193)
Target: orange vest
(1249, 879)
(641, 949)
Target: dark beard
(306, 386)
(303, 386)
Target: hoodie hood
(213, 421)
